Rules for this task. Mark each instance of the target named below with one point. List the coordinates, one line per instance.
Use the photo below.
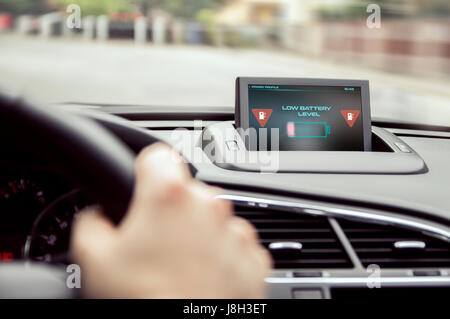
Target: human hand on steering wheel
(176, 240)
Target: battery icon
(308, 129)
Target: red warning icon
(262, 115)
(350, 116)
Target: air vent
(297, 241)
(391, 247)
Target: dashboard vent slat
(375, 244)
(320, 245)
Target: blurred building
(414, 36)
(265, 12)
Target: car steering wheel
(103, 163)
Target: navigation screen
(313, 118)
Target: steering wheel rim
(104, 163)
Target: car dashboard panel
(331, 235)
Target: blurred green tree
(23, 6)
(95, 7)
(348, 10)
(179, 8)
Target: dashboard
(37, 206)
(332, 235)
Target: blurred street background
(189, 52)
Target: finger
(160, 174)
(91, 232)
(262, 266)
(152, 158)
(204, 191)
(219, 209)
(257, 261)
(224, 209)
(243, 230)
(264, 260)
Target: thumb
(92, 232)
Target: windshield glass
(189, 52)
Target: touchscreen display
(314, 118)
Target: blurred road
(73, 70)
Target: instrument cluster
(37, 207)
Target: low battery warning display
(322, 118)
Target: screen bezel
(241, 115)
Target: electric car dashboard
(331, 234)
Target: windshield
(189, 52)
